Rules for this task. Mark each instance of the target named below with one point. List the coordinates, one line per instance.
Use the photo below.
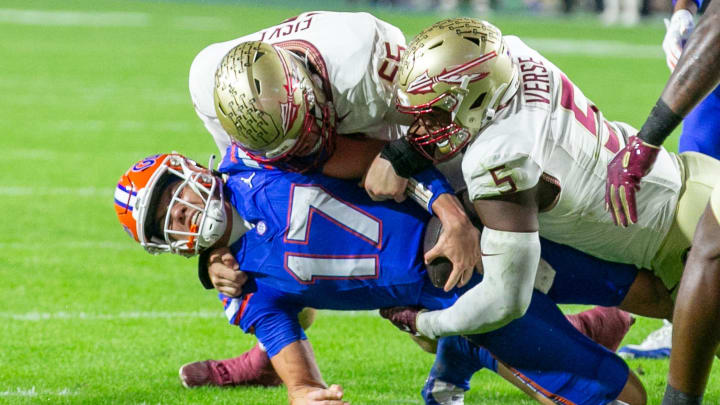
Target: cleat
(438, 392)
(196, 374)
(251, 368)
(657, 345)
(404, 318)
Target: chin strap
(503, 94)
(214, 224)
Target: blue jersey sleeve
(698, 3)
(426, 186)
(269, 315)
(236, 160)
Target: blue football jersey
(320, 242)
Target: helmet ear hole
(474, 40)
(257, 86)
(258, 55)
(478, 101)
(436, 45)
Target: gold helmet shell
(267, 101)
(452, 78)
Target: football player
(695, 335)
(700, 133)
(310, 240)
(315, 92)
(534, 156)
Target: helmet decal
(125, 197)
(289, 109)
(423, 84)
(145, 163)
(454, 77)
(273, 102)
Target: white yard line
(60, 245)
(45, 316)
(20, 191)
(33, 392)
(588, 47)
(87, 316)
(74, 18)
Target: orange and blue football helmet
(138, 193)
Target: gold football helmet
(453, 77)
(267, 100)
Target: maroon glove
(624, 173)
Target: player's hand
(382, 183)
(624, 173)
(459, 242)
(224, 272)
(323, 396)
(679, 27)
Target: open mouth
(195, 220)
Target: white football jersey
(357, 54)
(551, 130)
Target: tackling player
(316, 92)
(535, 151)
(342, 251)
(696, 335)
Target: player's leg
(250, 368)
(604, 283)
(556, 360)
(697, 309)
(700, 176)
(606, 326)
(457, 359)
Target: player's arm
(296, 366)
(458, 242)
(511, 252)
(352, 156)
(217, 268)
(274, 319)
(696, 74)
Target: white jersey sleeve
(551, 131)
(505, 161)
(356, 54)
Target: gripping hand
(624, 173)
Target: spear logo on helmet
(423, 84)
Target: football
(439, 269)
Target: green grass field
(88, 88)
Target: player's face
(431, 123)
(185, 211)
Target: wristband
(404, 158)
(203, 270)
(675, 397)
(661, 122)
